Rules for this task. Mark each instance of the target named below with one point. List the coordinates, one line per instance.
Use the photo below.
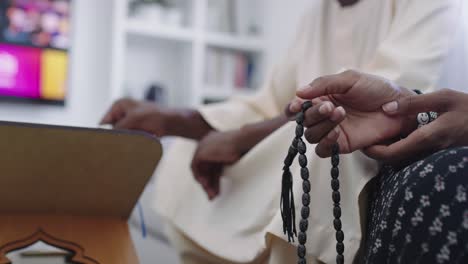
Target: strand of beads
(335, 184)
(287, 201)
(305, 211)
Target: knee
(442, 173)
(450, 164)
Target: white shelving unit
(144, 53)
(139, 28)
(211, 92)
(240, 43)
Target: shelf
(177, 55)
(140, 28)
(214, 93)
(222, 93)
(229, 41)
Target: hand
(214, 152)
(448, 130)
(160, 121)
(355, 118)
(135, 115)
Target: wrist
(186, 123)
(248, 137)
(172, 120)
(243, 140)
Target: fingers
(328, 85)
(208, 175)
(117, 111)
(438, 101)
(210, 180)
(109, 118)
(317, 113)
(198, 174)
(418, 142)
(324, 148)
(213, 188)
(127, 122)
(294, 107)
(318, 131)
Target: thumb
(294, 107)
(108, 119)
(438, 101)
(113, 115)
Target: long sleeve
(413, 52)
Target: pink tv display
(34, 42)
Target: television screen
(34, 39)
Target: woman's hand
(215, 151)
(355, 118)
(450, 129)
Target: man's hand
(219, 149)
(157, 120)
(214, 152)
(355, 119)
(135, 115)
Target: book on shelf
(228, 70)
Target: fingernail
(334, 134)
(212, 195)
(391, 107)
(338, 114)
(295, 106)
(325, 108)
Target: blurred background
(65, 61)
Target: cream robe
(402, 40)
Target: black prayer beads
(287, 197)
(335, 185)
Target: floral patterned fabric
(420, 214)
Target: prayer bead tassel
(288, 210)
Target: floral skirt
(419, 214)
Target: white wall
(88, 73)
(454, 74)
(281, 20)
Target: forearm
(250, 135)
(187, 123)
